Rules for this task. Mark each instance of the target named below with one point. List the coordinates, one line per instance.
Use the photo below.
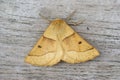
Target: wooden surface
(21, 27)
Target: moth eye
(39, 46)
(79, 42)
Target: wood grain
(21, 27)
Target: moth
(58, 43)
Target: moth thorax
(58, 25)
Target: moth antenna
(76, 23)
(70, 15)
(45, 18)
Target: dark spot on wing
(79, 42)
(39, 46)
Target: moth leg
(45, 18)
(76, 23)
(70, 16)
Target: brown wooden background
(21, 27)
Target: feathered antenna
(45, 18)
(70, 15)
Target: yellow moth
(60, 43)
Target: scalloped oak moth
(60, 43)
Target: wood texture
(21, 27)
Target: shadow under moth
(60, 43)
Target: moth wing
(43, 53)
(77, 49)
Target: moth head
(58, 20)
